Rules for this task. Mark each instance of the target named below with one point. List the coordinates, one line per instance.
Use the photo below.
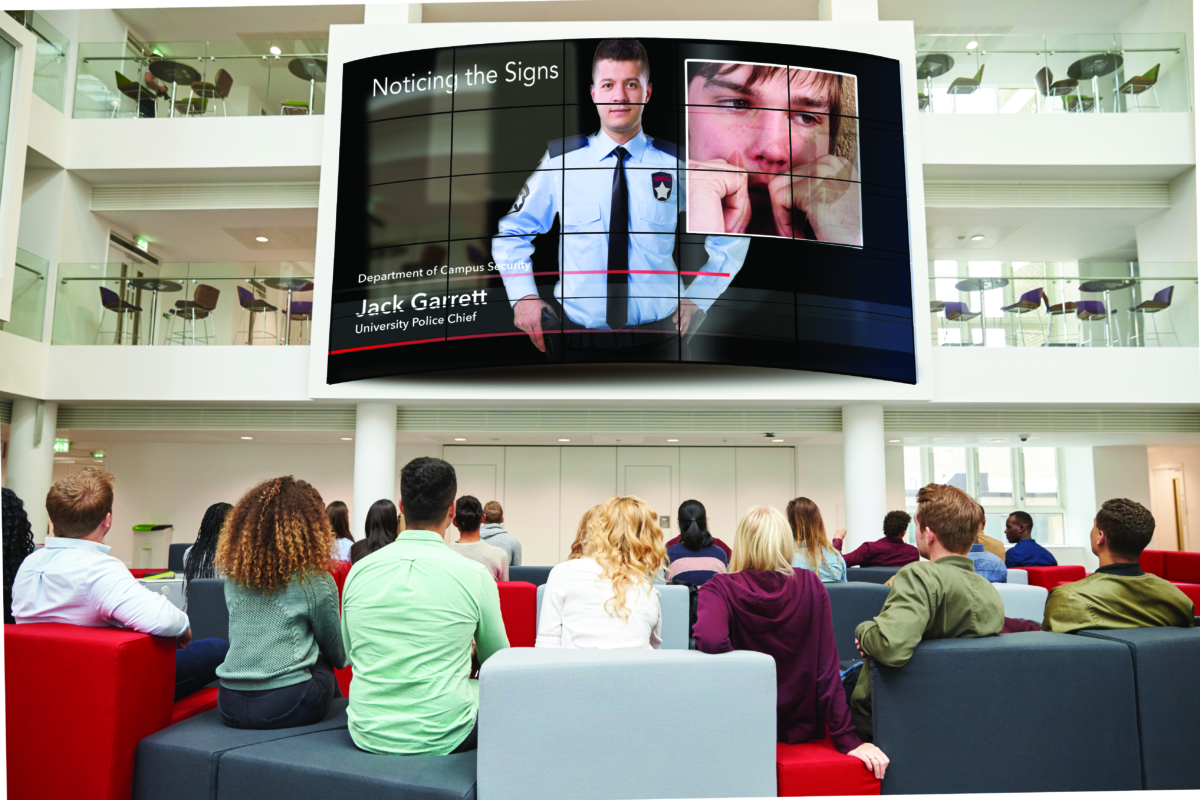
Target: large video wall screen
(622, 201)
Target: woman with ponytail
(697, 557)
(285, 634)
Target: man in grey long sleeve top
(493, 533)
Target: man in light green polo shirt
(409, 613)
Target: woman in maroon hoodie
(762, 604)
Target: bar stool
(200, 307)
(111, 301)
(1161, 302)
(1094, 311)
(300, 311)
(253, 306)
(961, 313)
(1030, 301)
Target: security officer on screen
(619, 201)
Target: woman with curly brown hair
(605, 599)
(285, 635)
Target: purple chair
(300, 311)
(252, 305)
(1161, 302)
(1094, 311)
(200, 307)
(961, 313)
(1033, 300)
(111, 301)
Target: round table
(1095, 67)
(155, 285)
(931, 66)
(981, 285)
(311, 70)
(1107, 285)
(174, 73)
(290, 285)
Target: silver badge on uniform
(662, 184)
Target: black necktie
(618, 247)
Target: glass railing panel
(50, 64)
(1060, 73)
(1035, 304)
(28, 297)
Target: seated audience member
(717, 542)
(763, 604)
(990, 543)
(382, 526)
(285, 637)
(494, 533)
(941, 598)
(73, 580)
(991, 568)
(339, 520)
(604, 600)
(468, 513)
(890, 551)
(409, 614)
(586, 523)
(813, 550)
(18, 543)
(695, 559)
(198, 558)
(1025, 552)
(1118, 594)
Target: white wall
(1079, 497)
(1189, 459)
(1122, 472)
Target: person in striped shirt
(696, 557)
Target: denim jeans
(196, 665)
(292, 706)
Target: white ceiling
(1016, 16)
(201, 235)
(1042, 234)
(229, 24)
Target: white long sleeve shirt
(78, 583)
(573, 614)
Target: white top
(573, 614)
(492, 557)
(76, 582)
(341, 549)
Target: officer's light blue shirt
(576, 186)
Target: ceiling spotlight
(275, 51)
(564, 440)
(672, 440)
(265, 239)
(347, 439)
(777, 440)
(971, 45)
(893, 441)
(459, 439)
(979, 237)
(997, 440)
(248, 438)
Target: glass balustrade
(50, 63)
(1064, 304)
(128, 304)
(28, 297)
(1053, 74)
(250, 78)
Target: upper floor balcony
(50, 63)
(247, 78)
(1053, 73)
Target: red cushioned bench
(1154, 562)
(1049, 577)
(99, 715)
(1181, 567)
(817, 769)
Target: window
(1002, 479)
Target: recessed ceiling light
(997, 440)
(977, 237)
(265, 239)
(460, 439)
(777, 440)
(275, 51)
(248, 437)
(971, 45)
(672, 440)
(347, 439)
(564, 440)
(893, 441)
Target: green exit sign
(62, 445)
(142, 244)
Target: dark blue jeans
(196, 665)
(304, 703)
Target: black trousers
(652, 341)
(292, 706)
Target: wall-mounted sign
(62, 445)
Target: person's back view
(468, 513)
(494, 533)
(18, 543)
(381, 528)
(890, 551)
(339, 520)
(813, 548)
(697, 557)
(1025, 552)
(198, 558)
(409, 614)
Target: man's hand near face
(718, 196)
(527, 315)
(822, 191)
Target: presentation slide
(622, 201)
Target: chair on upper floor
(218, 90)
(961, 313)
(111, 301)
(1094, 311)
(1080, 102)
(965, 86)
(293, 108)
(144, 96)
(192, 106)
(1140, 83)
(200, 307)
(1048, 87)
(1161, 302)
(254, 306)
(1033, 300)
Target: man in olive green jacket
(1118, 594)
(941, 598)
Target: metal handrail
(148, 59)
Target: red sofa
(817, 769)
(1049, 577)
(124, 694)
(1180, 568)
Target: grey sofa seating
(175, 556)
(1023, 602)
(206, 609)
(1168, 702)
(852, 603)
(549, 723)
(327, 766)
(1072, 737)
(181, 761)
(871, 574)
(535, 575)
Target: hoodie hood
(763, 601)
(491, 529)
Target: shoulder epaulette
(560, 146)
(667, 147)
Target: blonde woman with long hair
(813, 548)
(763, 604)
(586, 523)
(605, 599)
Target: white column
(391, 14)
(864, 468)
(846, 10)
(30, 461)
(374, 459)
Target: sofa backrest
(1049, 577)
(175, 556)
(852, 603)
(535, 575)
(95, 692)
(1055, 733)
(1181, 567)
(1153, 561)
(1168, 703)
(675, 604)
(518, 606)
(206, 609)
(871, 574)
(554, 723)
(1018, 576)
(1023, 602)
